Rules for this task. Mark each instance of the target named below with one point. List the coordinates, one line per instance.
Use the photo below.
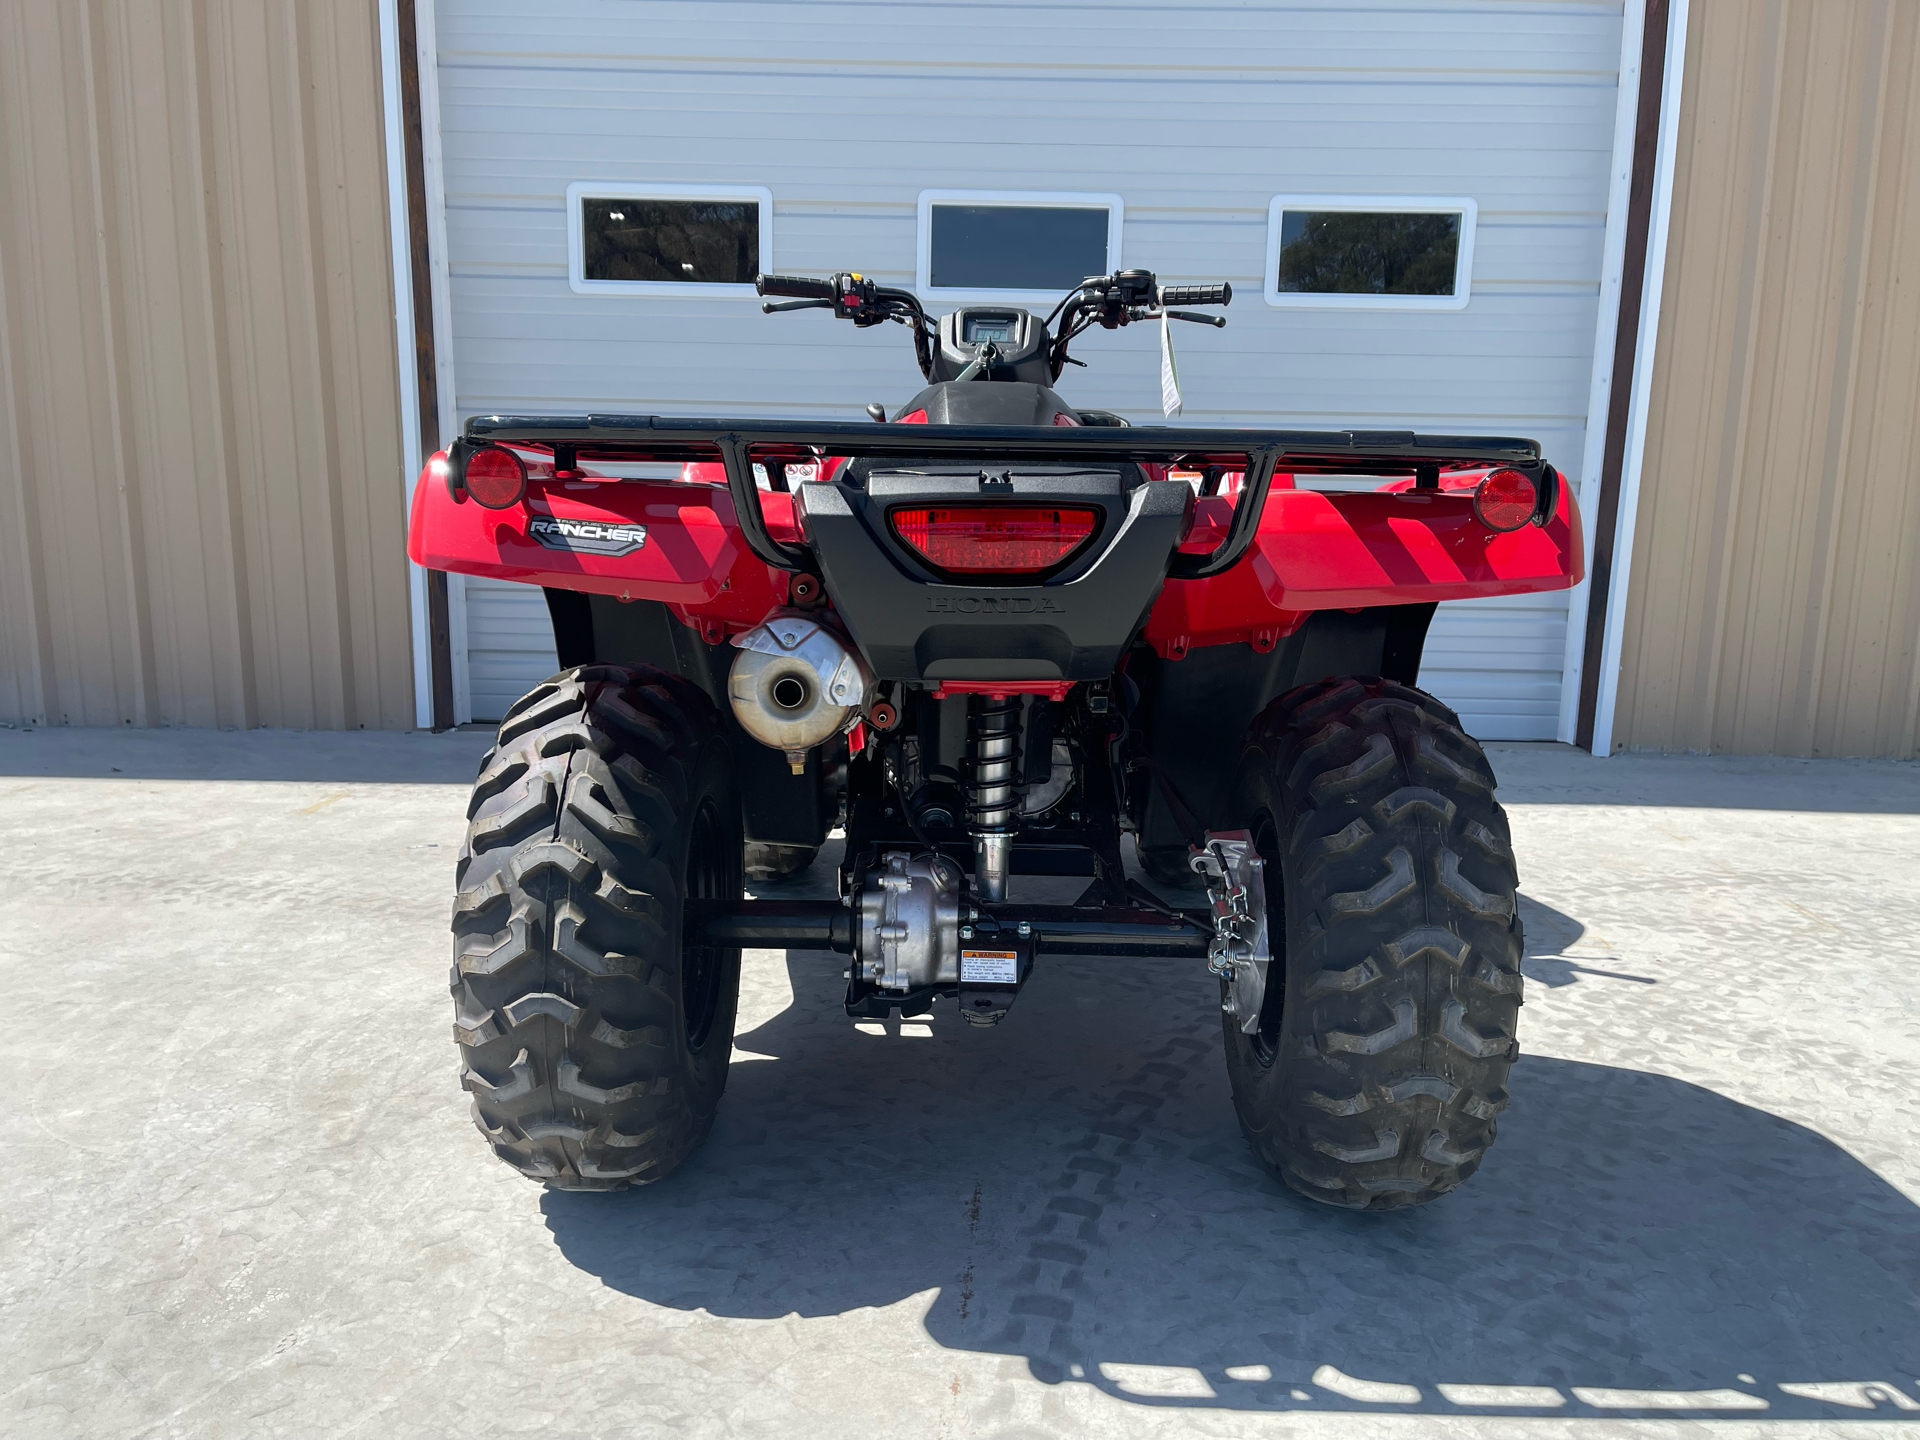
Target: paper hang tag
(1169, 372)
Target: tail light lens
(495, 477)
(1505, 500)
(995, 539)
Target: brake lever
(1219, 322)
(769, 308)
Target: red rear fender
(1326, 551)
(676, 541)
(1323, 551)
(638, 539)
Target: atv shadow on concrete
(1076, 1193)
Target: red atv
(989, 638)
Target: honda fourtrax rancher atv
(990, 638)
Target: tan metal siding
(1774, 605)
(200, 450)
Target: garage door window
(1338, 252)
(1014, 245)
(666, 239)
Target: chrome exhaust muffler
(795, 684)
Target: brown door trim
(425, 361)
(1633, 278)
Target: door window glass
(1342, 252)
(674, 239)
(1010, 245)
(705, 242)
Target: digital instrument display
(981, 328)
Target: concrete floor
(243, 1198)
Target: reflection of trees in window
(712, 242)
(1333, 252)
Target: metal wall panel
(1197, 116)
(509, 638)
(1775, 597)
(200, 475)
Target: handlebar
(1109, 301)
(856, 297)
(1221, 294)
(801, 287)
(1121, 298)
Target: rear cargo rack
(738, 444)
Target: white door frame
(426, 60)
(402, 253)
(1645, 349)
(1646, 342)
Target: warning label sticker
(989, 967)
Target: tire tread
(1403, 946)
(566, 934)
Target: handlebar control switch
(855, 298)
(1132, 287)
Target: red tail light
(995, 539)
(1505, 500)
(495, 477)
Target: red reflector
(994, 539)
(1505, 500)
(495, 477)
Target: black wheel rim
(1265, 1041)
(703, 967)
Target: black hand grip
(801, 287)
(1221, 294)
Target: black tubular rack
(739, 444)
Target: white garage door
(1196, 118)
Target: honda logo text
(994, 605)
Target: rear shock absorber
(993, 804)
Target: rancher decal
(994, 605)
(587, 537)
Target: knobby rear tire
(1382, 1055)
(595, 1045)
